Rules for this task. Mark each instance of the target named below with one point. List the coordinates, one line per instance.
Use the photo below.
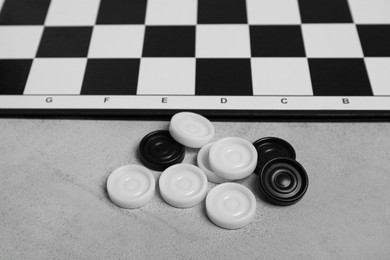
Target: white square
(171, 12)
(222, 41)
(117, 41)
(167, 76)
(1, 4)
(273, 12)
(281, 76)
(370, 11)
(56, 76)
(378, 71)
(19, 42)
(331, 41)
(72, 12)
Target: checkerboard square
(56, 76)
(277, 41)
(65, 42)
(281, 76)
(24, 12)
(171, 12)
(122, 12)
(111, 77)
(339, 77)
(331, 41)
(167, 76)
(117, 41)
(79, 12)
(19, 41)
(370, 12)
(217, 11)
(378, 70)
(231, 77)
(375, 40)
(325, 11)
(13, 76)
(169, 41)
(270, 12)
(225, 41)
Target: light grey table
(54, 203)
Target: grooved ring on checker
(233, 158)
(283, 181)
(230, 205)
(191, 130)
(158, 150)
(131, 186)
(183, 185)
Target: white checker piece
(379, 73)
(191, 129)
(72, 12)
(167, 76)
(1, 3)
(117, 41)
(131, 186)
(183, 185)
(331, 41)
(222, 41)
(233, 158)
(270, 12)
(56, 76)
(231, 205)
(171, 12)
(370, 11)
(204, 163)
(19, 42)
(281, 76)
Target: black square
(223, 77)
(375, 40)
(221, 11)
(111, 77)
(65, 42)
(339, 77)
(169, 41)
(122, 12)
(24, 12)
(277, 41)
(325, 11)
(13, 76)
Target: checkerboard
(228, 58)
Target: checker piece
(269, 148)
(190, 129)
(204, 163)
(230, 205)
(283, 181)
(183, 185)
(233, 158)
(131, 186)
(158, 150)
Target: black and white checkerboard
(234, 58)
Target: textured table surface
(54, 203)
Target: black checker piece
(158, 150)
